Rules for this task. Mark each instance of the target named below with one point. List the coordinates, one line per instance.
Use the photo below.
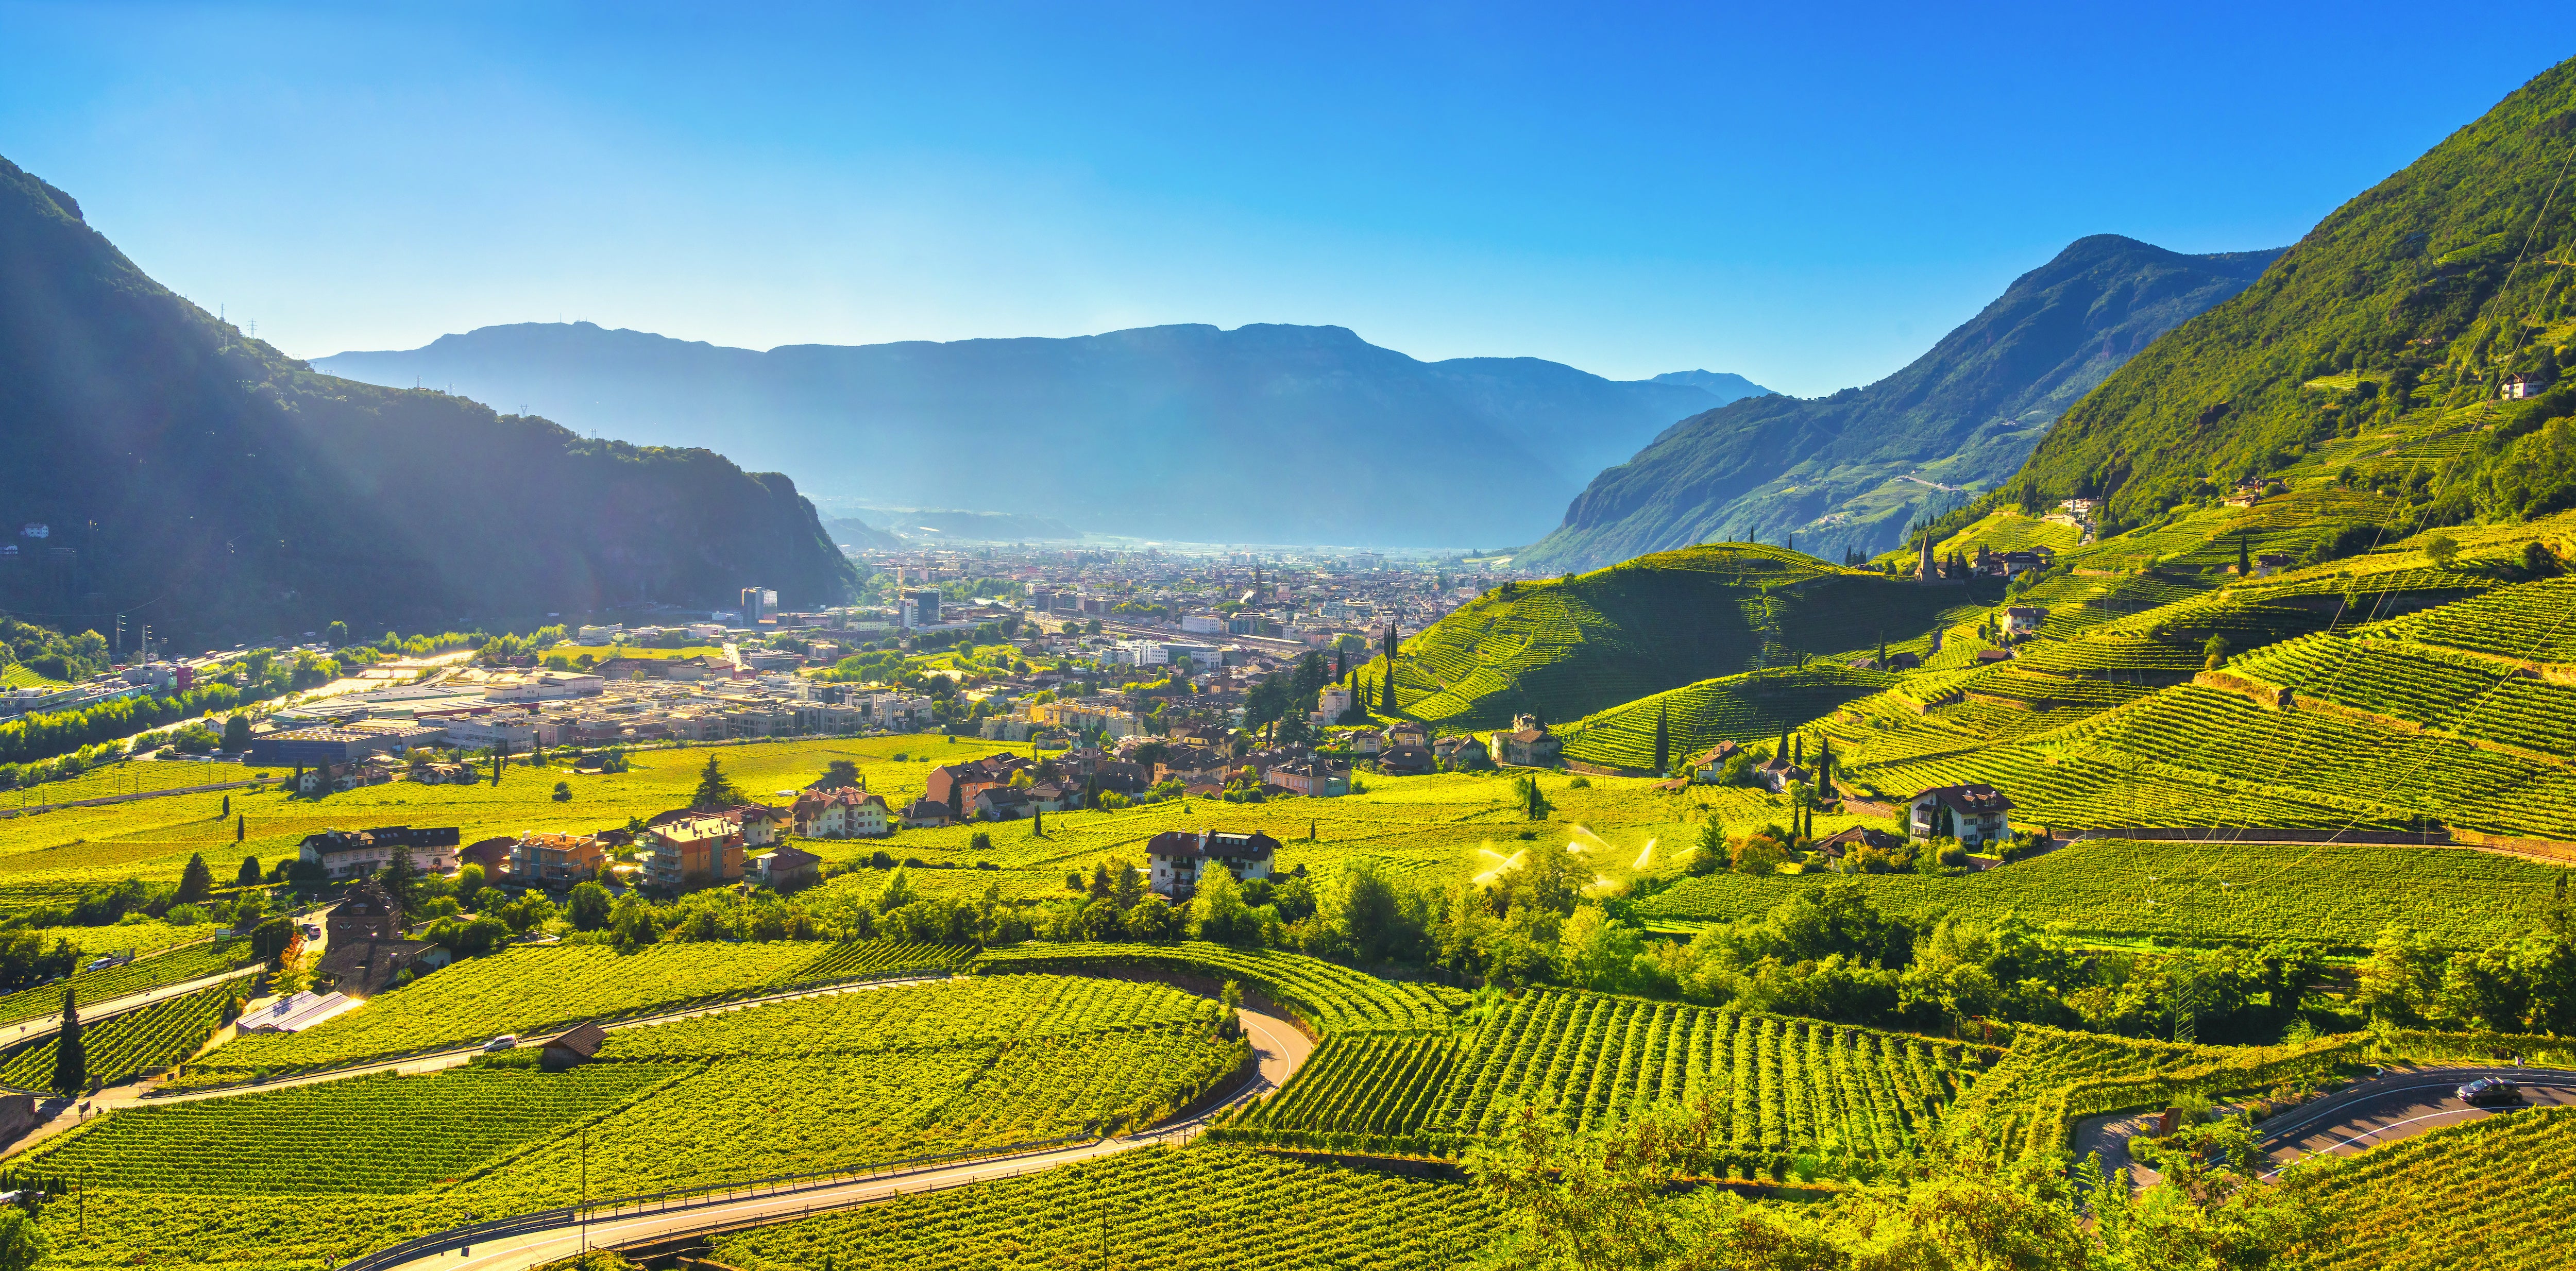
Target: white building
(1202, 624)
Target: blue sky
(1809, 198)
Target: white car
(503, 1042)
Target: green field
(2491, 1193)
(177, 966)
(1779, 1087)
(2330, 893)
(1329, 998)
(829, 1084)
(1341, 1218)
(534, 989)
(116, 1049)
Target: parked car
(2486, 1090)
(503, 1042)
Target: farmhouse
(926, 814)
(787, 868)
(1179, 857)
(846, 813)
(1850, 840)
(1973, 813)
(2022, 620)
(350, 853)
(1710, 766)
(1528, 745)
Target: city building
(557, 861)
(693, 851)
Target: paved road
(1276, 1043)
(2398, 1104)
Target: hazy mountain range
(1259, 434)
(162, 467)
(1852, 469)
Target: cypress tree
(1882, 653)
(241, 827)
(71, 1062)
(1663, 739)
(1782, 754)
(2244, 559)
(1798, 750)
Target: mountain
(2423, 292)
(1725, 386)
(1263, 433)
(164, 468)
(1853, 469)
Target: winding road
(1277, 1045)
(2399, 1103)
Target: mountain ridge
(1266, 432)
(1853, 468)
(208, 484)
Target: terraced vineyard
(1327, 997)
(1341, 1218)
(1777, 1087)
(2015, 1107)
(533, 989)
(1740, 708)
(2531, 621)
(2339, 894)
(115, 1049)
(2426, 687)
(194, 962)
(2491, 1193)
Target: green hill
(2421, 294)
(207, 483)
(1568, 648)
(1853, 469)
(1754, 706)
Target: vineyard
(115, 1049)
(1242, 1209)
(961, 1012)
(195, 962)
(533, 989)
(364, 1134)
(2490, 1194)
(841, 1082)
(2455, 694)
(1776, 1088)
(2530, 621)
(1742, 708)
(1328, 998)
(2337, 894)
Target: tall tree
(2244, 558)
(1663, 739)
(249, 875)
(401, 880)
(196, 882)
(71, 1061)
(241, 827)
(715, 789)
(1825, 767)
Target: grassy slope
(1568, 648)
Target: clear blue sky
(1806, 194)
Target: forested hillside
(2424, 292)
(1853, 469)
(206, 483)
